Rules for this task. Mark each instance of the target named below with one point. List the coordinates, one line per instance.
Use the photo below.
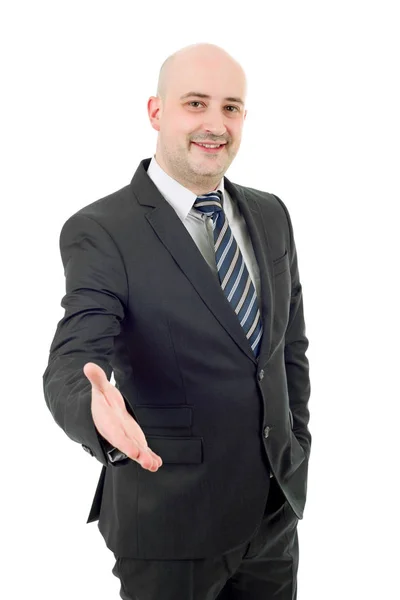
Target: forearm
(297, 372)
(67, 392)
(296, 344)
(96, 292)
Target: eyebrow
(207, 97)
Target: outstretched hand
(113, 421)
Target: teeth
(210, 146)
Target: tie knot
(209, 203)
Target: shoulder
(107, 212)
(108, 206)
(265, 200)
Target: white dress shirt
(199, 225)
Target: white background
(323, 134)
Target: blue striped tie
(233, 274)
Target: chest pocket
(281, 264)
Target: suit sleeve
(296, 344)
(94, 304)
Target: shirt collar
(177, 195)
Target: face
(203, 103)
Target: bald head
(188, 57)
(198, 112)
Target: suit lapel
(177, 240)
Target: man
(186, 286)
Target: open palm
(113, 421)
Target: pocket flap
(281, 264)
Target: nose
(214, 123)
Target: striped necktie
(232, 271)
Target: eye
(230, 106)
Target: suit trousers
(263, 568)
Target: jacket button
(266, 431)
(261, 375)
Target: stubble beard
(197, 173)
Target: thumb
(96, 376)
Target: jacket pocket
(281, 264)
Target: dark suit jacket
(141, 301)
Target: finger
(157, 458)
(129, 447)
(131, 442)
(145, 458)
(134, 431)
(125, 433)
(96, 376)
(136, 451)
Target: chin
(210, 171)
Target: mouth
(209, 148)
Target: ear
(154, 111)
(245, 114)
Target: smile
(210, 148)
